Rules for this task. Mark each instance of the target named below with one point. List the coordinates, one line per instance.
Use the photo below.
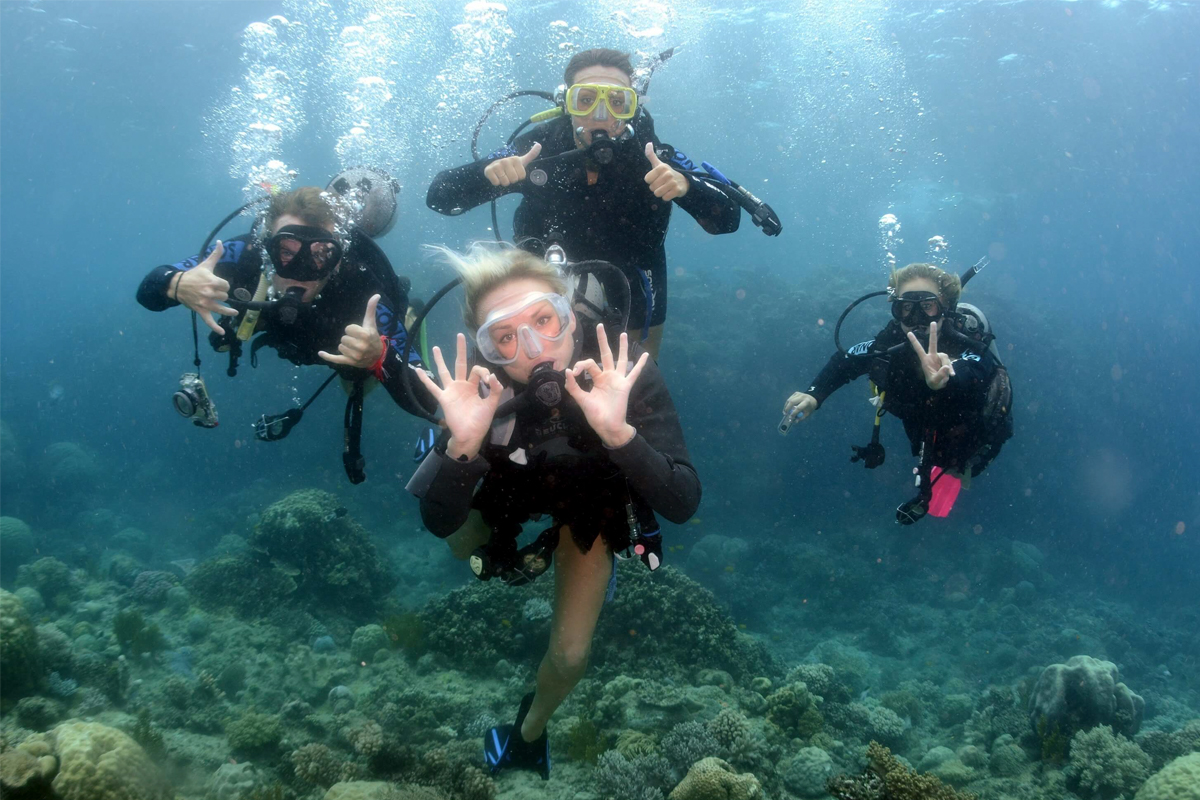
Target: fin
(504, 748)
(425, 445)
(945, 491)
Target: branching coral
(885, 778)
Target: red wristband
(377, 367)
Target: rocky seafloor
(293, 662)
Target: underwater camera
(192, 401)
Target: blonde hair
(949, 286)
(308, 204)
(486, 266)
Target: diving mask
(304, 252)
(527, 324)
(917, 309)
(600, 100)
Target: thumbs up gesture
(360, 346)
(510, 170)
(665, 182)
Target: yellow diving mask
(599, 100)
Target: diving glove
(912, 511)
(504, 748)
(871, 455)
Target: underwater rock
(794, 710)
(1178, 780)
(1081, 694)
(134, 541)
(713, 778)
(341, 699)
(324, 644)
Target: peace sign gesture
(360, 346)
(606, 404)
(937, 366)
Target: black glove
(871, 455)
(912, 511)
(648, 547)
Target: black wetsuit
(558, 466)
(959, 425)
(320, 324)
(616, 219)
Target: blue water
(1060, 139)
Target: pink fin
(945, 492)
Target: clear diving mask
(526, 325)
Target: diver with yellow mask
(596, 180)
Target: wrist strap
(376, 369)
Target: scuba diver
(549, 425)
(596, 180)
(314, 286)
(937, 368)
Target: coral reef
(239, 583)
(17, 545)
(886, 778)
(96, 762)
(713, 778)
(1179, 780)
(794, 710)
(1105, 766)
(20, 662)
(806, 773)
(1083, 693)
(335, 563)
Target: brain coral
(714, 779)
(96, 762)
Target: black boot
(504, 748)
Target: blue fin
(425, 444)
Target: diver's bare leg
(580, 583)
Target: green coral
(904, 703)
(52, 578)
(239, 583)
(1053, 741)
(794, 710)
(335, 563)
(635, 744)
(135, 635)
(254, 732)
(585, 742)
(1105, 766)
(405, 630)
(368, 640)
